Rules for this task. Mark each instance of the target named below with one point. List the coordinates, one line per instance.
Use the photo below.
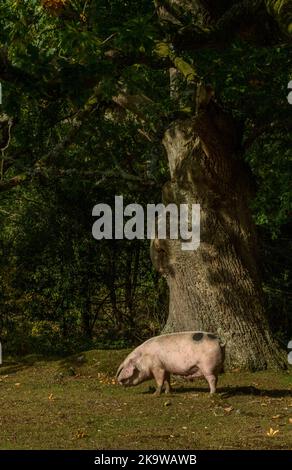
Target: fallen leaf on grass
(276, 417)
(167, 403)
(228, 409)
(272, 432)
(290, 420)
(80, 434)
(17, 384)
(105, 379)
(51, 397)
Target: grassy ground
(75, 404)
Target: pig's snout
(124, 381)
(120, 378)
(128, 375)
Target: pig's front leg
(159, 376)
(167, 382)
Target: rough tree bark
(216, 287)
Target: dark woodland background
(72, 145)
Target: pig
(189, 354)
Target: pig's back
(179, 352)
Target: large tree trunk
(216, 287)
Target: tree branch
(12, 183)
(137, 104)
(202, 28)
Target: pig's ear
(128, 370)
(119, 370)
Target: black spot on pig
(211, 336)
(198, 336)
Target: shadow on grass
(225, 392)
(8, 369)
(251, 390)
(12, 366)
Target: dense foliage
(65, 67)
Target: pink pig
(189, 354)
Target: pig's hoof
(156, 393)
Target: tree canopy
(86, 97)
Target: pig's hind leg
(212, 381)
(211, 375)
